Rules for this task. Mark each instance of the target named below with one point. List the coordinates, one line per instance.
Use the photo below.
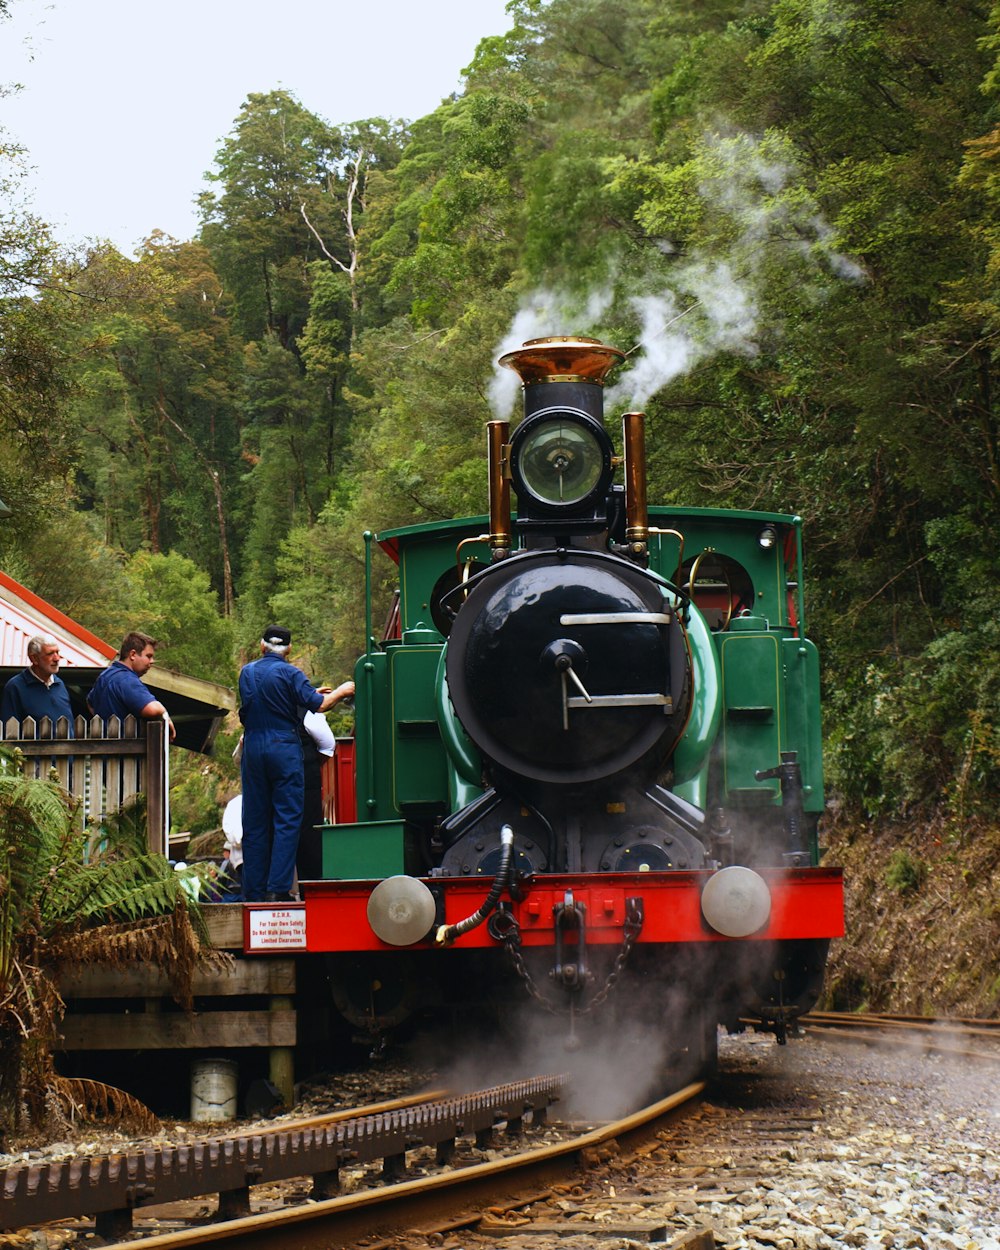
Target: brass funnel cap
(563, 359)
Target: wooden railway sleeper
(113, 1225)
(234, 1204)
(325, 1184)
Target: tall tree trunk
(220, 510)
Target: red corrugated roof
(23, 613)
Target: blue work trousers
(273, 789)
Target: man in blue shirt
(119, 692)
(38, 691)
(274, 697)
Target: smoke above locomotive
(587, 745)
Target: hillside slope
(923, 920)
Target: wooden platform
(133, 1008)
(225, 925)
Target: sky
(124, 103)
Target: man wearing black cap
(274, 697)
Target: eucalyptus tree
(278, 158)
(36, 443)
(284, 225)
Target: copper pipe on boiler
(498, 439)
(636, 510)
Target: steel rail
(985, 1028)
(111, 1187)
(462, 1192)
(938, 1035)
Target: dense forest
(785, 210)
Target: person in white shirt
(317, 746)
(232, 827)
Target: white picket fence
(102, 768)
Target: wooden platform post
(281, 1059)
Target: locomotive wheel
(646, 848)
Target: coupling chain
(631, 930)
(503, 925)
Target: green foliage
(36, 451)
(289, 455)
(905, 874)
(325, 340)
(200, 787)
(791, 207)
(173, 601)
(61, 893)
(25, 244)
(154, 401)
(62, 558)
(278, 157)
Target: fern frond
(123, 832)
(115, 888)
(84, 1099)
(169, 942)
(53, 896)
(34, 828)
(43, 803)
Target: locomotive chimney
(561, 458)
(578, 365)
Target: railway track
(459, 1198)
(113, 1187)
(974, 1039)
(811, 1145)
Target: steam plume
(706, 304)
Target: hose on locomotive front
(447, 933)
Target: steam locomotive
(586, 773)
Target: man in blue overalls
(274, 697)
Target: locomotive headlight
(560, 462)
(736, 901)
(560, 459)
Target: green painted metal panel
(363, 852)
(659, 513)
(426, 558)
(373, 739)
(729, 534)
(803, 728)
(752, 713)
(419, 761)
